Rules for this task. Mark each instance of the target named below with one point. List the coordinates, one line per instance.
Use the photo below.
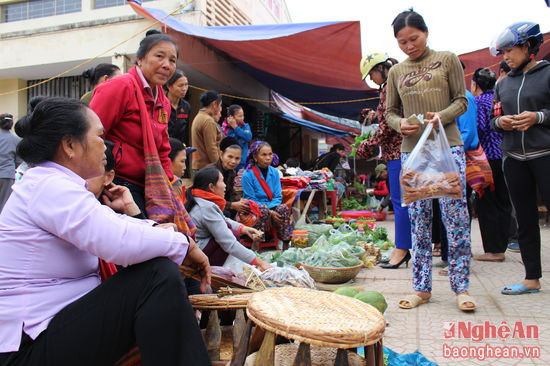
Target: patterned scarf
(161, 200)
(253, 149)
(226, 126)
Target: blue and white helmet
(518, 34)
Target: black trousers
(523, 178)
(138, 192)
(494, 212)
(144, 304)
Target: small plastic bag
(287, 276)
(430, 171)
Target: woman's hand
(276, 217)
(232, 122)
(120, 199)
(434, 119)
(197, 259)
(408, 128)
(524, 120)
(506, 122)
(168, 226)
(240, 206)
(251, 232)
(262, 266)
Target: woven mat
(320, 356)
(213, 301)
(316, 317)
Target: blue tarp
(313, 126)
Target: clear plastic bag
(287, 276)
(430, 170)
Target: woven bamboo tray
(213, 301)
(316, 317)
(333, 275)
(320, 356)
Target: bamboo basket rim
(360, 265)
(213, 301)
(286, 353)
(299, 314)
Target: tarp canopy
(310, 62)
(297, 111)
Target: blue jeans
(402, 224)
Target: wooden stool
(319, 318)
(213, 303)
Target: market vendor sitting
(226, 164)
(262, 184)
(216, 234)
(54, 309)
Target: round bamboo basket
(316, 317)
(320, 356)
(213, 301)
(333, 275)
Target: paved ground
(422, 328)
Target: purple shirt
(52, 231)
(489, 139)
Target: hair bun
(34, 102)
(88, 73)
(152, 32)
(23, 127)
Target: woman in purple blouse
(53, 308)
(494, 209)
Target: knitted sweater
(205, 137)
(489, 139)
(432, 83)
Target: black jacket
(179, 122)
(519, 92)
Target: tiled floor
(422, 328)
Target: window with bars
(67, 87)
(38, 9)
(99, 4)
(224, 12)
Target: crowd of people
(505, 121)
(92, 236)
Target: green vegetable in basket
(373, 298)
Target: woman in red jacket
(119, 105)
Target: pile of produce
(358, 141)
(315, 231)
(351, 204)
(373, 298)
(344, 247)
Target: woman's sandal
(518, 289)
(411, 301)
(462, 299)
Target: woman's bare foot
(531, 284)
(491, 257)
(423, 295)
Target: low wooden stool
(319, 318)
(213, 303)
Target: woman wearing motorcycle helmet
(524, 97)
(376, 65)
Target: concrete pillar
(13, 103)
(123, 61)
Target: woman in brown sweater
(206, 135)
(431, 83)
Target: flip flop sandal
(462, 299)
(517, 289)
(411, 301)
(444, 271)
